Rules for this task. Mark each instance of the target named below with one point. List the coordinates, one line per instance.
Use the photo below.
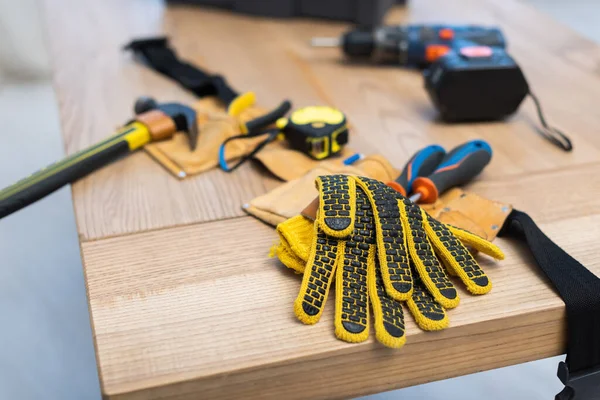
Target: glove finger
(297, 235)
(288, 258)
(429, 315)
(387, 312)
(352, 300)
(318, 275)
(337, 195)
(423, 256)
(456, 257)
(391, 240)
(476, 242)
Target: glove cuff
(295, 236)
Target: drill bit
(325, 42)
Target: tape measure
(317, 131)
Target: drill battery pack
(477, 83)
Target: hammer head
(183, 116)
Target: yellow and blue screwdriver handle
(153, 125)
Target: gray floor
(46, 347)
(47, 350)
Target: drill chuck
(358, 44)
(385, 44)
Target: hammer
(154, 121)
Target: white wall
(22, 48)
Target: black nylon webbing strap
(159, 56)
(580, 290)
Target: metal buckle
(584, 385)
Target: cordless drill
(469, 75)
(412, 45)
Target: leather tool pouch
(469, 211)
(214, 126)
(290, 198)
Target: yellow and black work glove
(359, 284)
(383, 250)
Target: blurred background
(47, 349)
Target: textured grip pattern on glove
(476, 242)
(427, 264)
(315, 286)
(388, 314)
(429, 315)
(458, 259)
(391, 241)
(337, 201)
(352, 275)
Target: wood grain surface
(389, 110)
(185, 303)
(214, 316)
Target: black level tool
(317, 131)
(158, 122)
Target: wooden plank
(202, 311)
(388, 108)
(136, 194)
(333, 379)
(547, 195)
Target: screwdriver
(422, 163)
(460, 165)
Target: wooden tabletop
(185, 302)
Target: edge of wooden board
(172, 333)
(374, 368)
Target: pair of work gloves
(382, 251)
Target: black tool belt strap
(580, 290)
(157, 54)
